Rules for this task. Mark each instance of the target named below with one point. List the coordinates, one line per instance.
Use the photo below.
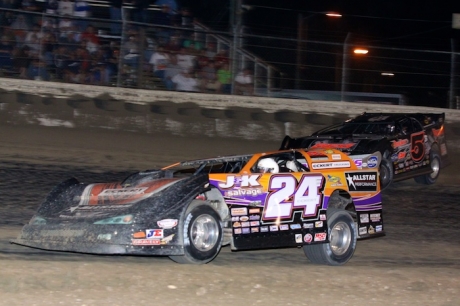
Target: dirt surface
(417, 262)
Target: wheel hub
(204, 233)
(340, 238)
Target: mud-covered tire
(342, 240)
(202, 233)
(386, 173)
(435, 164)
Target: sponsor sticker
(146, 241)
(319, 224)
(371, 230)
(362, 231)
(322, 217)
(273, 228)
(264, 229)
(167, 223)
(358, 163)
(361, 181)
(236, 224)
(364, 218)
(244, 218)
(372, 162)
(320, 236)
(308, 225)
(298, 238)
(104, 236)
(237, 231)
(308, 238)
(254, 229)
(375, 217)
(255, 223)
(254, 210)
(245, 230)
(295, 226)
(239, 211)
(245, 224)
(378, 228)
(254, 217)
(336, 156)
(153, 233)
(329, 165)
(284, 227)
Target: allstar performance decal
(361, 181)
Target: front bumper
(92, 239)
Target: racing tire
(386, 173)
(342, 241)
(435, 164)
(202, 234)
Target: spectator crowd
(55, 40)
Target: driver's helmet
(390, 129)
(267, 165)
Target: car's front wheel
(202, 234)
(386, 173)
(342, 240)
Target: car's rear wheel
(435, 164)
(342, 240)
(386, 173)
(202, 233)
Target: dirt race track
(416, 263)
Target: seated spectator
(209, 80)
(92, 40)
(184, 81)
(184, 19)
(20, 27)
(130, 51)
(33, 40)
(159, 60)
(65, 26)
(21, 61)
(115, 15)
(224, 76)
(51, 7)
(61, 60)
(140, 10)
(163, 18)
(37, 70)
(65, 7)
(244, 83)
(185, 60)
(6, 53)
(83, 10)
(221, 58)
(48, 44)
(172, 69)
(202, 60)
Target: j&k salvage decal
(361, 181)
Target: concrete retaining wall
(184, 114)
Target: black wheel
(435, 163)
(342, 241)
(386, 173)
(202, 231)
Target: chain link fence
(192, 57)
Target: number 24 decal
(286, 195)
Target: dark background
(413, 39)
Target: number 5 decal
(286, 195)
(417, 148)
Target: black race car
(412, 145)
